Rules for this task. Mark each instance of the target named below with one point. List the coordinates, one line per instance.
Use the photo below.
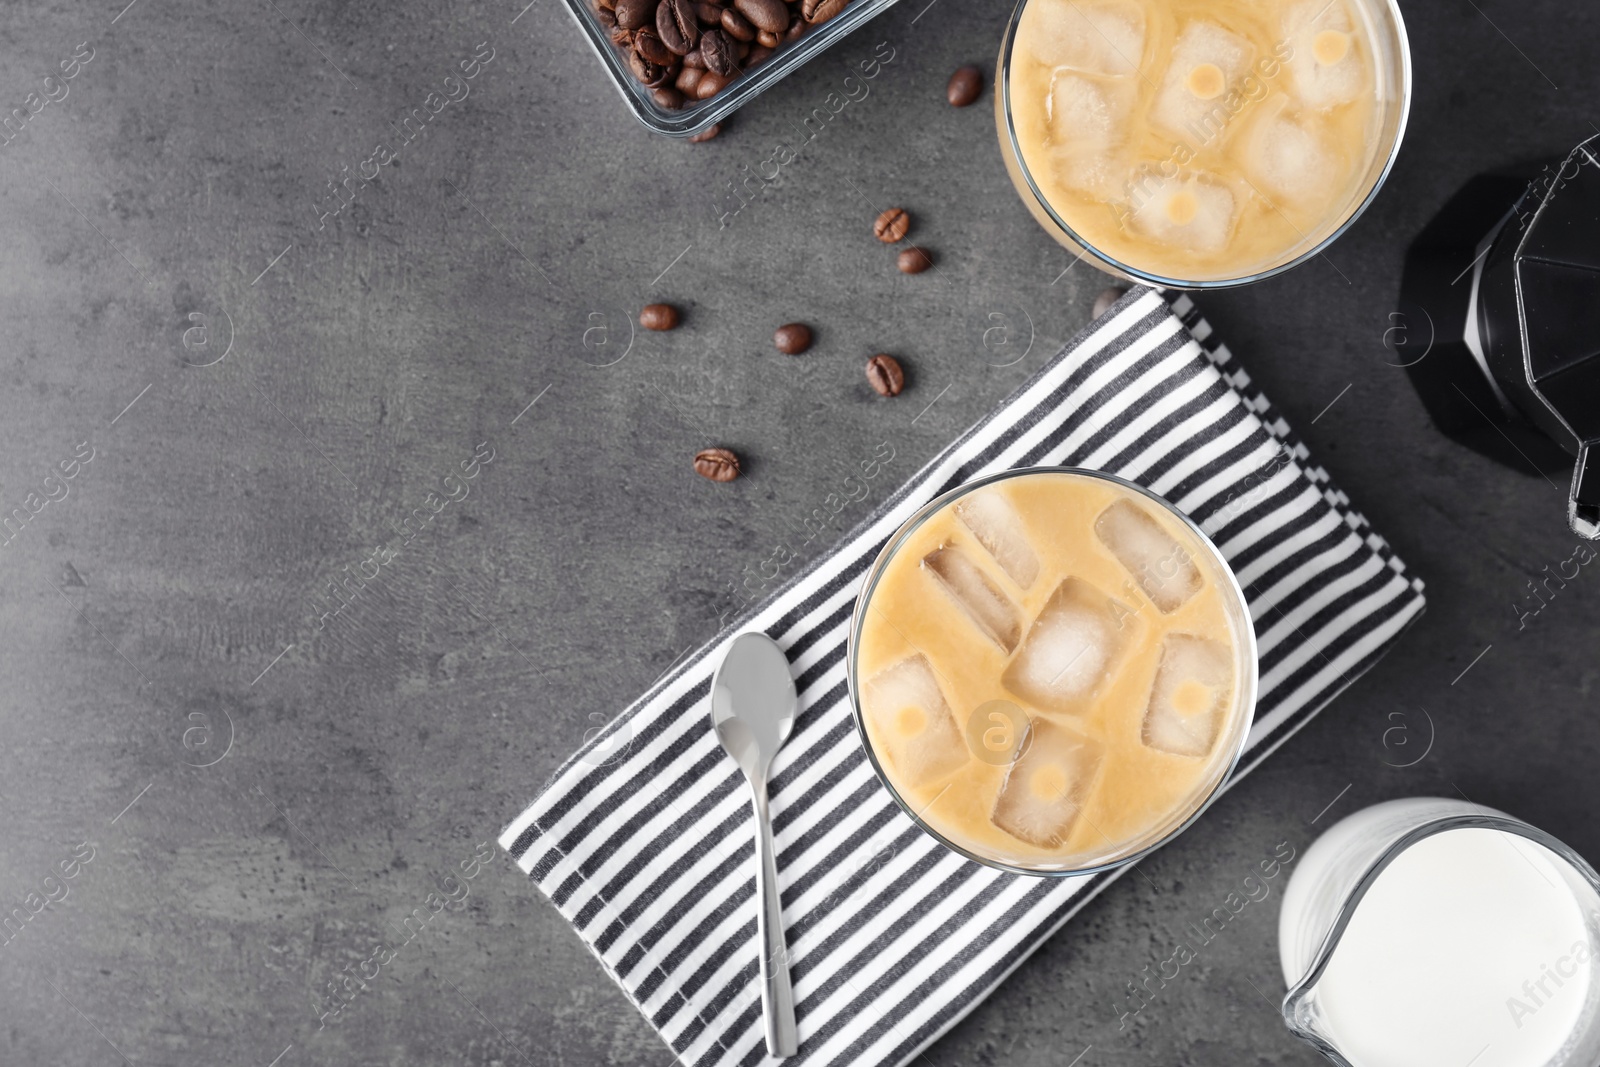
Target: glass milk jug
(1426, 931)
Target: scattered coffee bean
(677, 26)
(914, 261)
(709, 14)
(632, 14)
(688, 78)
(716, 48)
(796, 29)
(792, 338)
(1103, 302)
(965, 85)
(769, 15)
(706, 134)
(737, 26)
(769, 40)
(825, 10)
(718, 464)
(668, 97)
(694, 60)
(658, 317)
(711, 83)
(885, 375)
(891, 226)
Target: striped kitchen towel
(643, 840)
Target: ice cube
(1046, 788)
(1085, 114)
(1070, 648)
(1326, 68)
(1097, 174)
(1195, 212)
(1291, 159)
(988, 608)
(1192, 690)
(1163, 568)
(1102, 38)
(1192, 102)
(1087, 123)
(911, 723)
(998, 528)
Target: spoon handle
(777, 996)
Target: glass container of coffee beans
(683, 65)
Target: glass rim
(1482, 818)
(1116, 266)
(1247, 652)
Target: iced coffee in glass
(1052, 670)
(1200, 143)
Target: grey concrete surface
(265, 797)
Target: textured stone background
(161, 614)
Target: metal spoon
(752, 710)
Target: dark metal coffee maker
(1499, 321)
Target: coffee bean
(668, 97)
(769, 15)
(796, 30)
(737, 26)
(769, 40)
(758, 54)
(651, 47)
(688, 78)
(622, 38)
(706, 134)
(718, 464)
(676, 25)
(891, 226)
(1103, 302)
(711, 83)
(651, 74)
(885, 375)
(632, 14)
(965, 85)
(607, 19)
(825, 10)
(716, 48)
(914, 261)
(740, 50)
(694, 60)
(658, 317)
(709, 14)
(792, 338)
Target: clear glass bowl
(701, 114)
(1393, 75)
(1232, 742)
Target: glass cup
(1392, 74)
(1224, 753)
(1473, 996)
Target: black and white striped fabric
(643, 840)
